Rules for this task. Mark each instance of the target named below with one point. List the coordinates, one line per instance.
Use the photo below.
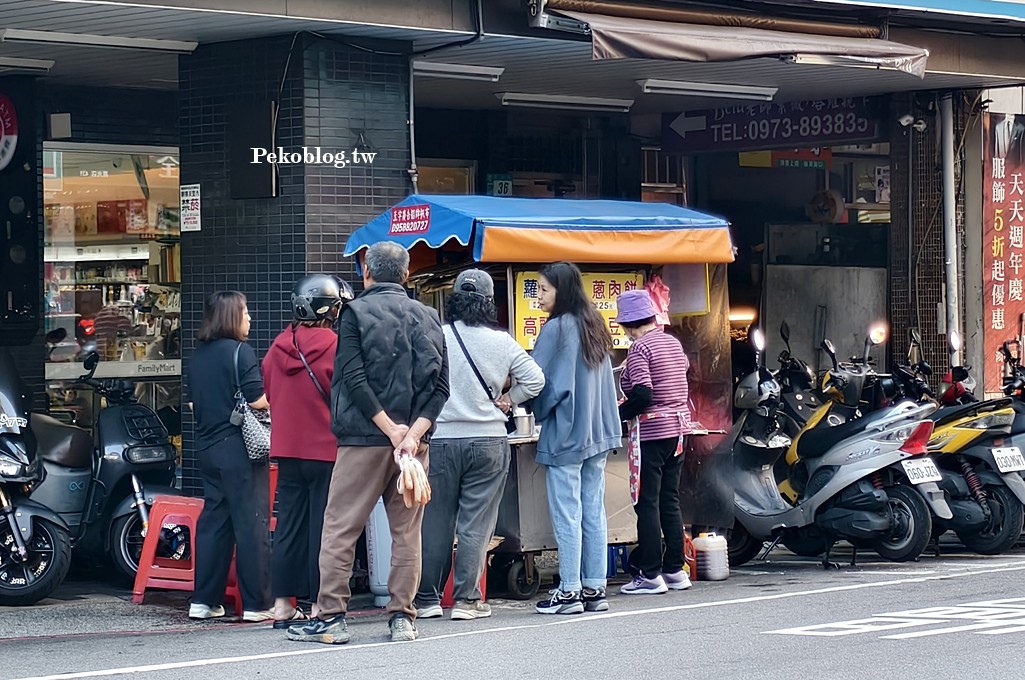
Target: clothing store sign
(190, 217)
(8, 131)
(603, 288)
(1003, 240)
(820, 122)
(410, 219)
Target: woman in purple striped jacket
(655, 384)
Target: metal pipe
(413, 172)
(477, 9)
(690, 16)
(949, 214)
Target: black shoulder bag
(316, 383)
(510, 424)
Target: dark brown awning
(614, 37)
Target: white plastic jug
(379, 553)
(713, 560)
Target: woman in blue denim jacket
(579, 418)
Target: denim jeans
(467, 481)
(576, 502)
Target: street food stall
(618, 245)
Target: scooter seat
(822, 437)
(62, 444)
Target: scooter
(103, 487)
(853, 492)
(972, 445)
(35, 542)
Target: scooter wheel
(49, 558)
(1004, 527)
(742, 547)
(911, 526)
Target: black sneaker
(561, 603)
(330, 631)
(594, 600)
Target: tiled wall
(330, 94)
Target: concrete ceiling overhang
(553, 64)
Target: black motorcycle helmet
(317, 297)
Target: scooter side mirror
(57, 336)
(92, 360)
(828, 347)
(784, 332)
(954, 341)
(758, 340)
(876, 336)
(915, 336)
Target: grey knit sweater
(468, 411)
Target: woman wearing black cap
(470, 449)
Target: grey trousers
(467, 481)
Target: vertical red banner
(1003, 246)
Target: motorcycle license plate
(921, 471)
(1009, 459)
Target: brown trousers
(362, 475)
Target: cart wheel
(518, 586)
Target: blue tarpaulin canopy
(500, 229)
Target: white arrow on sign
(684, 124)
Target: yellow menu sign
(603, 289)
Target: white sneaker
(677, 581)
(203, 611)
(433, 611)
(645, 586)
(259, 616)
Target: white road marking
(1017, 565)
(994, 617)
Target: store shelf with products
(112, 253)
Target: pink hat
(634, 305)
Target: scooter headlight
(11, 468)
(150, 454)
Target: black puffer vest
(403, 349)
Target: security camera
(906, 119)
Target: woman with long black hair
(580, 424)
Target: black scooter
(35, 542)
(103, 486)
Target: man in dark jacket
(390, 383)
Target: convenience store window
(112, 272)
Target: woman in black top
(236, 490)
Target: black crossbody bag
(302, 357)
(510, 424)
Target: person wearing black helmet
(297, 374)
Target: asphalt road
(955, 616)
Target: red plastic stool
(156, 572)
(447, 597)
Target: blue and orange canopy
(498, 229)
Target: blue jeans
(576, 502)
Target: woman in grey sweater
(470, 449)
